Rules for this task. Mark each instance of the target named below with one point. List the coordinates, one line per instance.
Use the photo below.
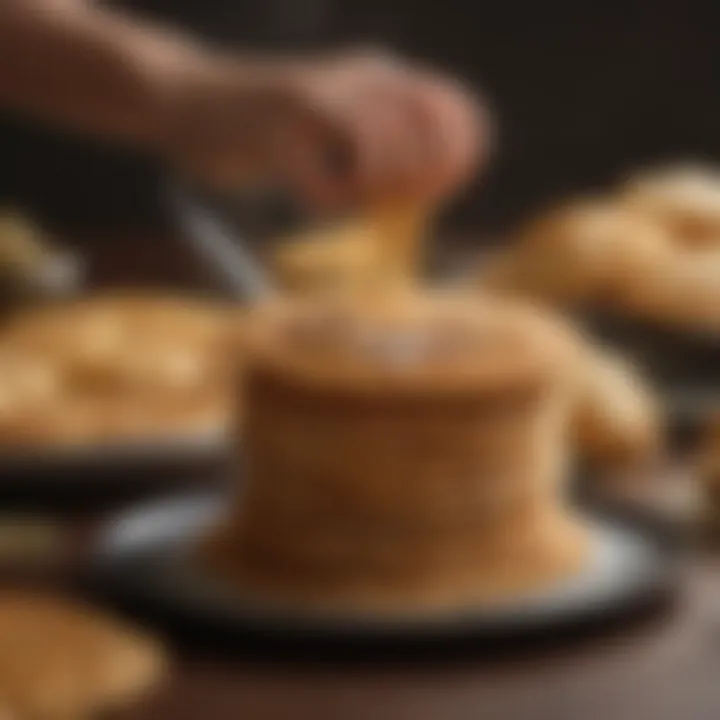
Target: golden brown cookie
(60, 660)
(337, 258)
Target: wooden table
(664, 669)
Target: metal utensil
(222, 249)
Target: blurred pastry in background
(61, 660)
(617, 419)
(117, 367)
(684, 197)
(583, 252)
(340, 258)
(682, 291)
(651, 252)
(22, 243)
(29, 388)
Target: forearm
(91, 69)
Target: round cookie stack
(403, 456)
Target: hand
(334, 132)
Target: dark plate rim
(117, 577)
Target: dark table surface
(659, 667)
(664, 667)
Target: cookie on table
(61, 661)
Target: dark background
(583, 90)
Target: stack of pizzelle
(117, 367)
(406, 455)
(406, 446)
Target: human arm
(95, 70)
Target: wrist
(215, 113)
(170, 80)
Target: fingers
(455, 136)
(375, 129)
(351, 131)
(392, 149)
(359, 134)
